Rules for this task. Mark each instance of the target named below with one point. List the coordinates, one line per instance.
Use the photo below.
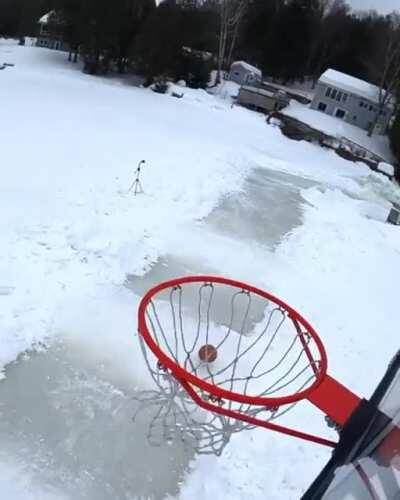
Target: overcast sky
(383, 6)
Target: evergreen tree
(104, 31)
(287, 39)
(158, 47)
(169, 29)
(289, 44)
(256, 33)
(19, 18)
(194, 68)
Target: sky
(383, 6)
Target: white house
(352, 100)
(51, 32)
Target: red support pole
(335, 400)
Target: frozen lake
(72, 429)
(264, 212)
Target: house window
(371, 108)
(340, 113)
(345, 96)
(322, 106)
(328, 92)
(333, 94)
(339, 96)
(355, 118)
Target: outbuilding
(245, 74)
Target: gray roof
(248, 67)
(351, 84)
(46, 18)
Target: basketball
(208, 353)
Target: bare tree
(231, 13)
(387, 67)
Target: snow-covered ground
(378, 144)
(223, 193)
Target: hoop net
(265, 358)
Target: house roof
(248, 67)
(351, 84)
(255, 90)
(46, 18)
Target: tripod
(138, 189)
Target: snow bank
(68, 221)
(386, 168)
(337, 128)
(226, 90)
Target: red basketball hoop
(238, 352)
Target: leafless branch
(231, 14)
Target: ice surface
(263, 212)
(74, 431)
(267, 208)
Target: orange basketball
(208, 353)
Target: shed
(245, 74)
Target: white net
(261, 351)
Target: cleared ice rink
(71, 427)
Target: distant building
(51, 32)
(245, 74)
(352, 100)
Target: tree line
(287, 39)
